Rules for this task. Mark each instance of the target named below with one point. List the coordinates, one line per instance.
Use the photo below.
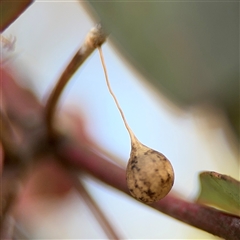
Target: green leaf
(188, 50)
(10, 11)
(221, 191)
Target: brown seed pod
(150, 175)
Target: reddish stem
(205, 218)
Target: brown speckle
(150, 175)
(150, 193)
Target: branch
(205, 218)
(94, 39)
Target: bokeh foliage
(188, 50)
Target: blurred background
(174, 68)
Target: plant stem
(102, 220)
(131, 134)
(94, 39)
(203, 217)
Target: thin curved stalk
(102, 220)
(95, 38)
(131, 134)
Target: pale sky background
(47, 35)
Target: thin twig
(106, 226)
(95, 38)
